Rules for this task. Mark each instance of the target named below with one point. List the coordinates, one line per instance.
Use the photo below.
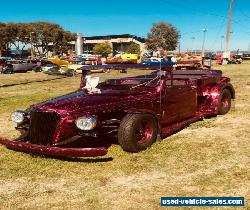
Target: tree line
(38, 34)
(45, 36)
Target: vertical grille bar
(42, 126)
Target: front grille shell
(43, 125)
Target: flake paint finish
(176, 100)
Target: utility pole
(229, 20)
(221, 43)
(203, 42)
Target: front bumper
(53, 151)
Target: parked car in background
(84, 55)
(59, 67)
(124, 58)
(93, 60)
(211, 55)
(233, 59)
(18, 66)
(246, 56)
(60, 70)
(157, 62)
(78, 60)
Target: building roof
(140, 39)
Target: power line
(239, 10)
(218, 34)
(170, 3)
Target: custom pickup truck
(133, 109)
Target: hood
(82, 101)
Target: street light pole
(203, 42)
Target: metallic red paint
(54, 151)
(176, 99)
(145, 132)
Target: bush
(103, 49)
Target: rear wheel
(224, 102)
(37, 69)
(70, 73)
(137, 132)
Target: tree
(20, 35)
(8, 33)
(103, 49)
(42, 35)
(134, 49)
(3, 41)
(15, 34)
(162, 36)
(47, 34)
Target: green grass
(208, 158)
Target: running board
(170, 129)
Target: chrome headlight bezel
(86, 123)
(18, 116)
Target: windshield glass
(121, 79)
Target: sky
(136, 17)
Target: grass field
(208, 158)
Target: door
(179, 103)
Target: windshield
(147, 80)
(121, 79)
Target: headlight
(86, 123)
(18, 116)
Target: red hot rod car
(135, 109)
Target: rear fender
(218, 88)
(212, 94)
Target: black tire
(7, 71)
(106, 70)
(37, 69)
(70, 73)
(137, 132)
(224, 104)
(123, 71)
(197, 66)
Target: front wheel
(8, 71)
(137, 132)
(197, 66)
(224, 102)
